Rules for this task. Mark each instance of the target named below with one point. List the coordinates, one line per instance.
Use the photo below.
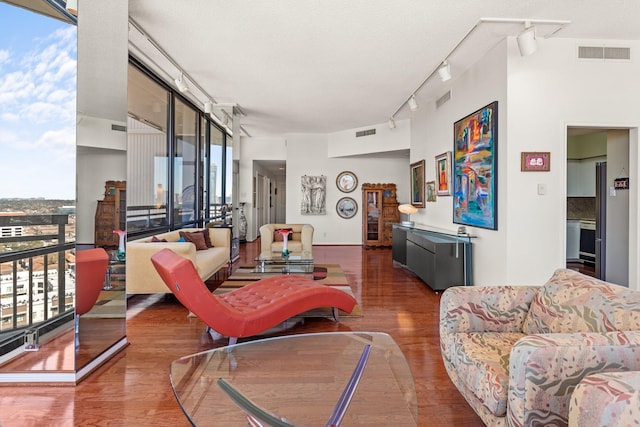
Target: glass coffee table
(299, 380)
(295, 263)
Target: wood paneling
(133, 389)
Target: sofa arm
(608, 399)
(266, 238)
(306, 236)
(220, 236)
(142, 277)
(484, 308)
(544, 369)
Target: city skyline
(38, 57)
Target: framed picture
(443, 174)
(431, 191)
(535, 161)
(475, 168)
(417, 184)
(346, 181)
(346, 207)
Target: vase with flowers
(284, 232)
(121, 252)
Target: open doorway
(270, 192)
(597, 211)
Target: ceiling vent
(365, 132)
(602, 52)
(443, 99)
(119, 128)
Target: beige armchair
(300, 240)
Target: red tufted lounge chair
(251, 309)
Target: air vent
(365, 132)
(119, 128)
(601, 52)
(444, 98)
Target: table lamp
(407, 209)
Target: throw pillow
(155, 239)
(207, 237)
(181, 240)
(197, 238)
(277, 237)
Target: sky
(38, 58)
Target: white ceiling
(302, 66)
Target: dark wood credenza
(440, 258)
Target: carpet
(110, 304)
(326, 274)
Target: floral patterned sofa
(516, 353)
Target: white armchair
(300, 240)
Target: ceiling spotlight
(182, 84)
(527, 43)
(208, 106)
(392, 123)
(413, 104)
(445, 71)
(72, 7)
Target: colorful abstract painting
(475, 168)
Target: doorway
(598, 213)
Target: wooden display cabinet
(380, 213)
(111, 214)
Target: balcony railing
(37, 285)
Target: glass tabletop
(292, 258)
(298, 379)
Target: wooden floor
(133, 388)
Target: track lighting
(413, 104)
(72, 7)
(445, 71)
(182, 84)
(392, 123)
(208, 106)
(527, 43)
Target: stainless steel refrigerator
(601, 220)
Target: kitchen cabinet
(581, 178)
(573, 239)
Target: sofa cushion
(197, 238)
(481, 361)
(573, 302)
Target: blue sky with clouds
(38, 58)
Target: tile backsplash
(581, 208)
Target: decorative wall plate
(347, 207)
(347, 181)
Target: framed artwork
(346, 181)
(475, 168)
(417, 184)
(431, 191)
(313, 195)
(347, 207)
(443, 174)
(535, 161)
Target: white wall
(432, 134)
(308, 155)
(345, 143)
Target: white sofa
(142, 277)
(300, 240)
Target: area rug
(110, 304)
(326, 274)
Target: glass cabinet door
(373, 199)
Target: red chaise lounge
(251, 309)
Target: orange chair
(251, 309)
(91, 268)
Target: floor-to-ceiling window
(185, 165)
(215, 169)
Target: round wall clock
(347, 181)
(347, 207)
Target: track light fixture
(392, 123)
(181, 84)
(208, 106)
(413, 104)
(527, 43)
(72, 7)
(444, 71)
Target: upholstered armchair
(300, 240)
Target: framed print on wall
(535, 162)
(346, 182)
(431, 191)
(347, 207)
(417, 184)
(475, 168)
(443, 174)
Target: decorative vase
(285, 241)
(121, 252)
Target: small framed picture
(431, 191)
(417, 184)
(347, 207)
(347, 181)
(443, 174)
(535, 161)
